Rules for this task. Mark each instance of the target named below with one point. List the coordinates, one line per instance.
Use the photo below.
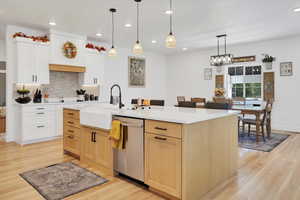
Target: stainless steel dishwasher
(130, 161)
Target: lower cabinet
(96, 148)
(163, 163)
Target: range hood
(66, 68)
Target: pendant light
(112, 51)
(224, 59)
(137, 48)
(171, 40)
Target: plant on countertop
(92, 46)
(34, 38)
(219, 92)
(268, 59)
(80, 92)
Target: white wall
(185, 77)
(116, 71)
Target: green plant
(268, 59)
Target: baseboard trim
(39, 140)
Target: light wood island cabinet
(185, 161)
(72, 132)
(96, 149)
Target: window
(245, 81)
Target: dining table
(250, 109)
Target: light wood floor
(261, 176)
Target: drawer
(69, 130)
(35, 109)
(74, 114)
(71, 144)
(71, 122)
(164, 128)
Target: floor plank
(261, 175)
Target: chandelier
(223, 59)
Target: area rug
(58, 181)
(249, 142)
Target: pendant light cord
(218, 46)
(171, 18)
(137, 22)
(225, 45)
(113, 29)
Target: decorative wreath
(70, 50)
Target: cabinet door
(42, 64)
(88, 146)
(94, 68)
(25, 60)
(103, 151)
(163, 164)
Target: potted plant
(80, 94)
(267, 61)
(24, 98)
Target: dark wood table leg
(257, 126)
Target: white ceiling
(196, 22)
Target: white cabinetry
(94, 68)
(32, 61)
(38, 123)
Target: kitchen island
(187, 153)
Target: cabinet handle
(160, 138)
(40, 113)
(92, 136)
(70, 122)
(162, 129)
(40, 126)
(32, 78)
(71, 136)
(95, 137)
(40, 108)
(70, 113)
(70, 131)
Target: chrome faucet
(120, 95)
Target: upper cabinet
(32, 61)
(94, 68)
(58, 40)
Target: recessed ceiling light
(52, 23)
(128, 25)
(297, 9)
(154, 41)
(169, 12)
(99, 34)
(184, 49)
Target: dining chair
(180, 98)
(157, 102)
(220, 106)
(222, 100)
(200, 102)
(264, 121)
(187, 104)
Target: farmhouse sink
(98, 117)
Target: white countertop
(67, 103)
(168, 114)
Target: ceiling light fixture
(184, 49)
(169, 12)
(297, 9)
(52, 22)
(112, 51)
(224, 59)
(137, 48)
(171, 40)
(99, 34)
(154, 41)
(128, 25)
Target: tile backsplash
(62, 84)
